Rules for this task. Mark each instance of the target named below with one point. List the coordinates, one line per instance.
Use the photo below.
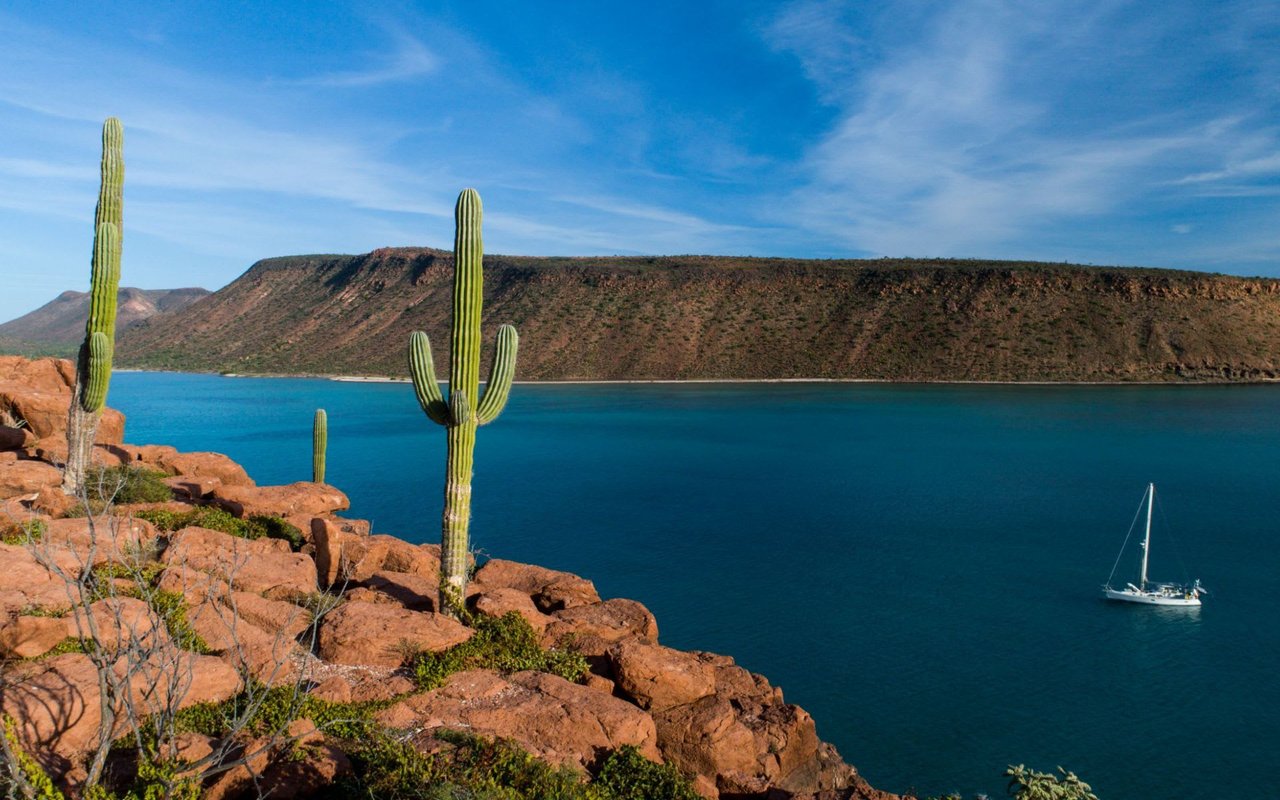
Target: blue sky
(1097, 132)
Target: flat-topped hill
(700, 317)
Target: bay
(916, 565)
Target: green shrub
(506, 644)
(627, 775)
(125, 484)
(21, 533)
(1027, 784)
(258, 526)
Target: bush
(258, 526)
(125, 484)
(21, 533)
(506, 644)
(627, 775)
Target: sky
(1107, 132)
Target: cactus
(319, 443)
(93, 368)
(461, 414)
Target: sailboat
(1152, 592)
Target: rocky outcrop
(556, 720)
(179, 617)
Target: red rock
(115, 622)
(343, 554)
(250, 565)
(54, 375)
(376, 690)
(57, 705)
(552, 590)
(271, 615)
(555, 720)
(270, 657)
(335, 689)
(411, 591)
(303, 497)
(53, 501)
(657, 677)
(43, 411)
(746, 747)
(26, 583)
(204, 466)
(612, 621)
(105, 539)
(28, 637)
(110, 427)
(501, 600)
(25, 477)
(382, 635)
(193, 489)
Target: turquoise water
(915, 565)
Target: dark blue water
(915, 565)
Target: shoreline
(712, 381)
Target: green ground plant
(257, 526)
(506, 644)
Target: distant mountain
(733, 318)
(57, 327)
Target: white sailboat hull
(1153, 598)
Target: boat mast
(1146, 541)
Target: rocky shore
(324, 607)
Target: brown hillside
(715, 317)
(58, 326)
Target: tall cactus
(93, 368)
(461, 414)
(319, 444)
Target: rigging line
(1126, 538)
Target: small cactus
(462, 413)
(319, 444)
(93, 368)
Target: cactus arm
(319, 445)
(460, 409)
(498, 388)
(425, 385)
(94, 395)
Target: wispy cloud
(960, 139)
(409, 59)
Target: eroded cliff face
(725, 318)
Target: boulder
(53, 501)
(345, 554)
(25, 583)
(193, 489)
(115, 622)
(611, 621)
(657, 677)
(26, 477)
(304, 497)
(271, 615)
(270, 657)
(57, 706)
(745, 747)
(55, 375)
(43, 411)
(550, 589)
(256, 566)
(409, 590)
(28, 637)
(383, 635)
(502, 600)
(561, 722)
(103, 539)
(204, 467)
